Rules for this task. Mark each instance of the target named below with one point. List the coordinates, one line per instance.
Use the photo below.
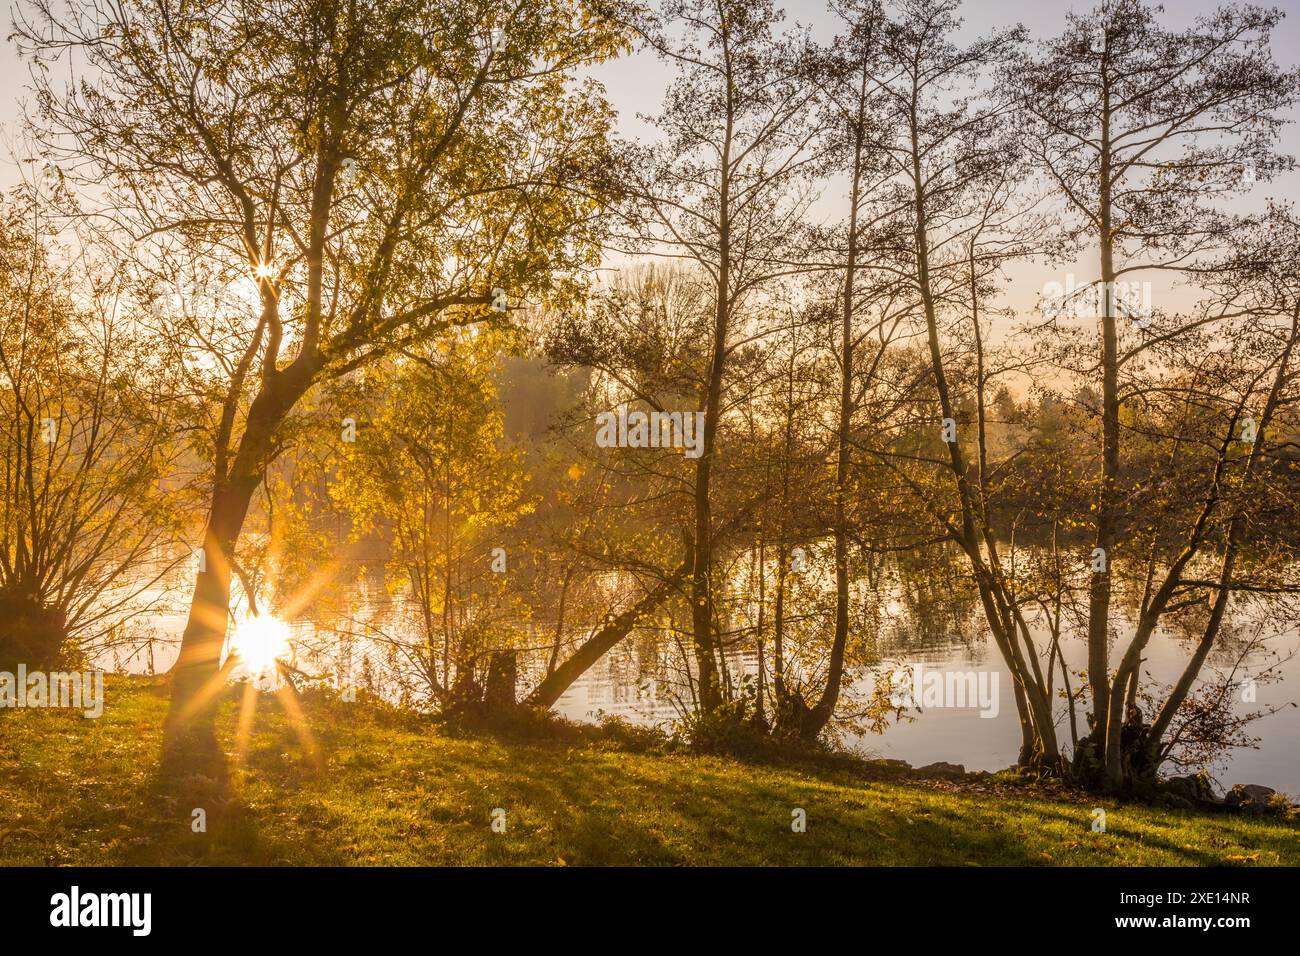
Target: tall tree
(869, 310)
(946, 124)
(378, 170)
(1143, 130)
(726, 190)
(89, 516)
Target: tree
(429, 474)
(726, 191)
(783, 456)
(1254, 292)
(871, 310)
(951, 182)
(88, 511)
(378, 171)
(1142, 130)
(637, 338)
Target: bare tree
(726, 190)
(1141, 129)
(953, 179)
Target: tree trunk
(710, 693)
(559, 623)
(824, 709)
(999, 608)
(779, 688)
(595, 647)
(499, 686)
(1099, 590)
(196, 679)
(196, 666)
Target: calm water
(614, 686)
(639, 679)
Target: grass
(391, 791)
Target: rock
(1195, 787)
(1250, 798)
(1248, 792)
(942, 769)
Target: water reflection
(616, 685)
(922, 619)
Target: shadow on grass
(594, 809)
(378, 789)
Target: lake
(640, 679)
(616, 686)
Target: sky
(635, 84)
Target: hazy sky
(636, 83)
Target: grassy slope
(75, 791)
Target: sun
(260, 641)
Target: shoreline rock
(1255, 799)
